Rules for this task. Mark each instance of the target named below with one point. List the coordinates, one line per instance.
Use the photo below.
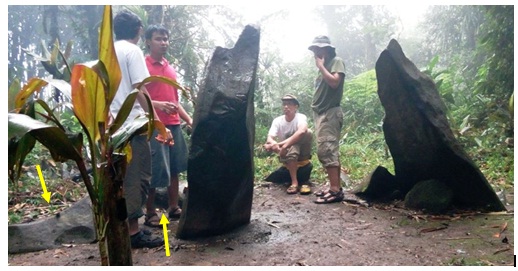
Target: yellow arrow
(46, 194)
(164, 222)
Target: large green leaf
(18, 150)
(169, 81)
(61, 145)
(122, 136)
(124, 111)
(62, 85)
(158, 78)
(50, 113)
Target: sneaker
(145, 239)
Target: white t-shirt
(134, 70)
(283, 129)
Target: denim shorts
(168, 160)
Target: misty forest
(468, 51)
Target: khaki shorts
(301, 150)
(328, 126)
(138, 176)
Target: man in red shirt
(167, 161)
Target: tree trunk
(156, 14)
(117, 232)
(53, 30)
(92, 15)
(103, 252)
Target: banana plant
(91, 89)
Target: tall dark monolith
(220, 173)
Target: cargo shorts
(301, 150)
(138, 176)
(328, 126)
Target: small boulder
(431, 195)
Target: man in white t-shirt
(290, 137)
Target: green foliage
(363, 113)
(362, 154)
(476, 45)
(54, 62)
(475, 79)
(14, 217)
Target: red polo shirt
(160, 91)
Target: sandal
(305, 189)
(293, 189)
(331, 197)
(152, 220)
(321, 193)
(145, 239)
(175, 212)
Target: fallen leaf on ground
(503, 227)
(362, 227)
(273, 225)
(501, 250)
(433, 229)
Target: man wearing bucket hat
(290, 137)
(328, 115)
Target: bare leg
(291, 165)
(150, 203)
(333, 173)
(172, 191)
(133, 226)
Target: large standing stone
(418, 135)
(220, 172)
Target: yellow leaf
(34, 84)
(107, 55)
(88, 99)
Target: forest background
(467, 50)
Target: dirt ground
(290, 230)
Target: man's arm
(332, 79)
(183, 115)
(271, 144)
(302, 129)
(143, 103)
